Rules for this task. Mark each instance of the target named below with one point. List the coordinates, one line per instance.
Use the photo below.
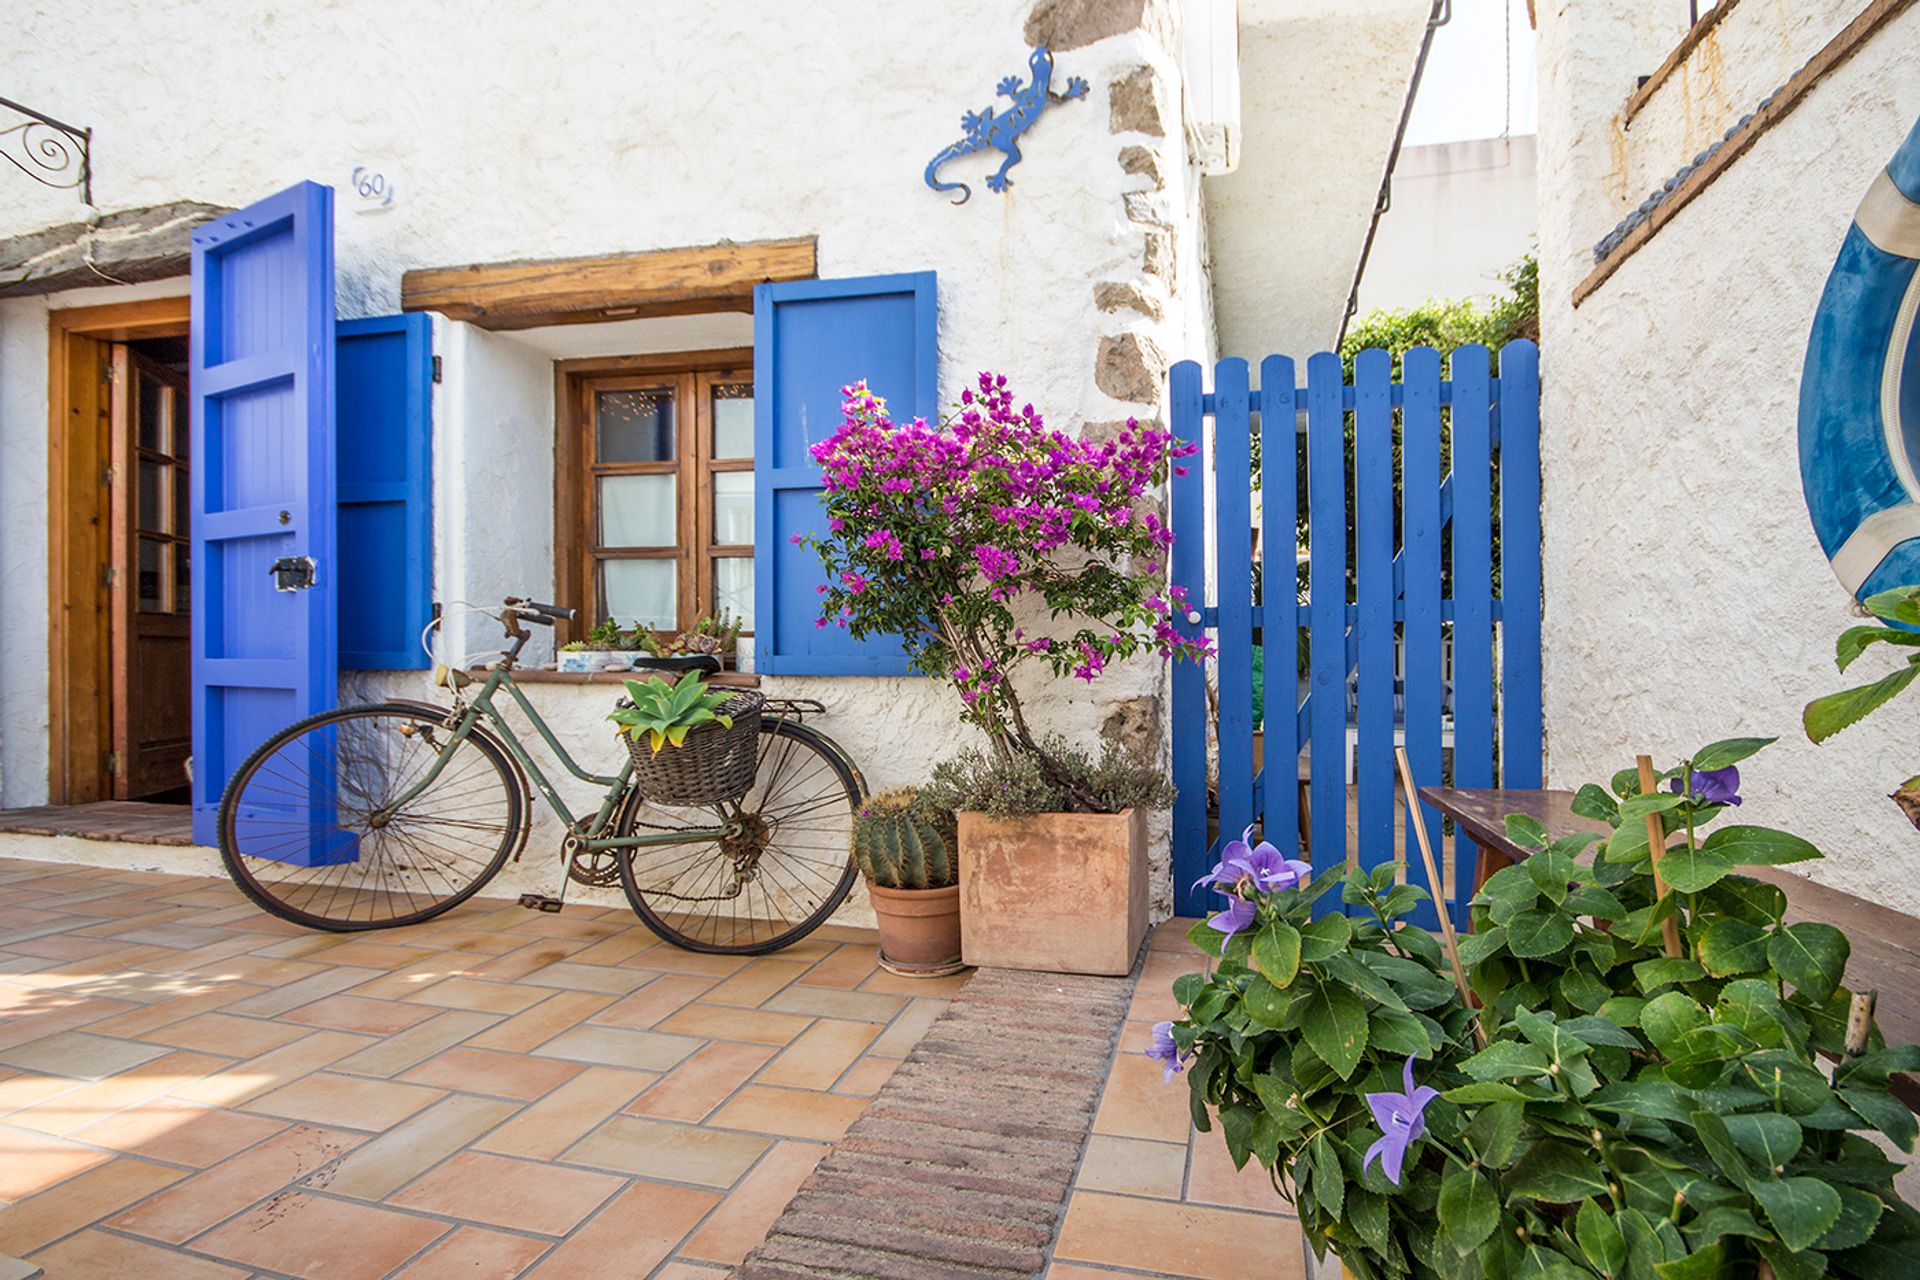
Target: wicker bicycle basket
(714, 763)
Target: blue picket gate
(1420, 568)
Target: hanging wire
(1506, 124)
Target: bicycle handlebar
(544, 614)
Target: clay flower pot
(919, 929)
(1060, 892)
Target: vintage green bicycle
(384, 815)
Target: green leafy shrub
(665, 713)
(1010, 788)
(904, 841)
(1828, 715)
(1633, 1114)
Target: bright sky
(1473, 86)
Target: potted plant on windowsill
(606, 646)
(907, 850)
(998, 551)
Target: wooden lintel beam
(519, 295)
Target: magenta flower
(1712, 786)
(1402, 1120)
(1166, 1051)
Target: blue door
(264, 570)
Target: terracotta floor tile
(820, 1055)
(320, 1239)
(180, 1132)
(549, 1126)
(893, 984)
(542, 1022)
(263, 971)
(605, 979)
(394, 1054)
(662, 996)
(826, 1002)
(845, 967)
(677, 1270)
(1176, 1239)
(753, 984)
(744, 1217)
(474, 1253)
(1153, 995)
(488, 1071)
(63, 947)
(702, 1082)
(90, 1102)
(866, 1076)
(225, 1033)
(477, 996)
(401, 984)
(905, 1031)
(630, 1237)
(364, 953)
(722, 1022)
(574, 923)
(78, 1202)
(521, 1195)
(80, 1055)
(621, 946)
(32, 1162)
(664, 957)
(1212, 1179)
(350, 1102)
(102, 1254)
(384, 1164)
(28, 1089)
(1138, 1103)
(518, 964)
(619, 1047)
(224, 1190)
(791, 1113)
(1133, 1167)
(256, 1076)
(1076, 1271)
(357, 1013)
(136, 1023)
(658, 1149)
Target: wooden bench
(1886, 944)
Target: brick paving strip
(959, 1168)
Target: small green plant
(609, 636)
(665, 712)
(904, 841)
(1826, 716)
(717, 634)
(982, 782)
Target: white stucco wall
(1462, 213)
(1321, 90)
(547, 130)
(1687, 598)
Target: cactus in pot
(907, 848)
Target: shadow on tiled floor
(191, 1090)
(1153, 1197)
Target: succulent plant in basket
(907, 848)
(712, 735)
(665, 713)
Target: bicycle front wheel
(312, 830)
(785, 863)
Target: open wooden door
(149, 585)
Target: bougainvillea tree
(989, 543)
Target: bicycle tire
(389, 861)
(777, 736)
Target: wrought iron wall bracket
(51, 152)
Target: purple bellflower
(1712, 786)
(1165, 1051)
(1260, 867)
(1402, 1121)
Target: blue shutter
(263, 480)
(810, 338)
(384, 452)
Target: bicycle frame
(590, 837)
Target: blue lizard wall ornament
(987, 129)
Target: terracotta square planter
(1061, 892)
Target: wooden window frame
(576, 474)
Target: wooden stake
(1859, 1022)
(1657, 846)
(1440, 903)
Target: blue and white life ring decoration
(1860, 390)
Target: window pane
(182, 501)
(182, 424)
(634, 426)
(182, 580)
(733, 587)
(733, 420)
(150, 575)
(155, 480)
(640, 592)
(639, 511)
(152, 427)
(733, 508)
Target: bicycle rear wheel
(784, 867)
(306, 832)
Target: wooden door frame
(79, 521)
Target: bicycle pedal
(540, 902)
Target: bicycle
(393, 813)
